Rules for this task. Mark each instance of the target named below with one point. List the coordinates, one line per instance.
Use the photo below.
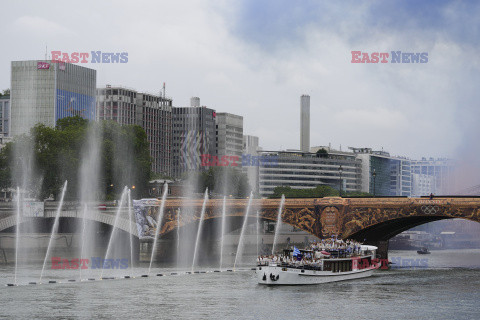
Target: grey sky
(256, 58)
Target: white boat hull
(275, 275)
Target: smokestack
(195, 102)
(305, 123)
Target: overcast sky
(255, 58)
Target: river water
(444, 286)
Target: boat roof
(369, 248)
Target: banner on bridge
(34, 209)
(146, 214)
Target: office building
(384, 175)
(340, 170)
(194, 134)
(229, 134)
(152, 112)
(5, 115)
(43, 92)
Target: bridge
(8, 218)
(369, 220)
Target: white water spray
(159, 224)
(224, 214)
(242, 234)
(84, 227)
(117, 214)
(130, 220)
(17, 238)
(200, 225)
(279, 223)
(54, 230)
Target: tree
(58, 154)
(5, 92)
(319, 191)
(322, 153)
(220, 180)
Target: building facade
(152, 112)
(422, 184)
(340, 170)
(384, 175)
(229, 134)
(5, 116)
(194, 135)
(442, 171)
(43, 92)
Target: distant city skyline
(255, 60)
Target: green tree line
(221, 181)
(58, 153)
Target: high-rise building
(4, 120)
(5, 115)
(152, 112)
(194, 135)
(43, 92)
(229, 134)
(305, 123)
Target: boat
(324, 266)
(424, 250)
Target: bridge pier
(382, 251)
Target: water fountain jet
(54, 230)
(159, 225)
(117, 215)
(200, 225)
(279, 223)
(17, 237)
(242, 233)
(224, 214)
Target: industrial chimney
(305, 123)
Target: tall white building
(229, 134)
(43, 92)
(305, 123)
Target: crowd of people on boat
(335, 245)
(314, 253)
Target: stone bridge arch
(108, 218)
